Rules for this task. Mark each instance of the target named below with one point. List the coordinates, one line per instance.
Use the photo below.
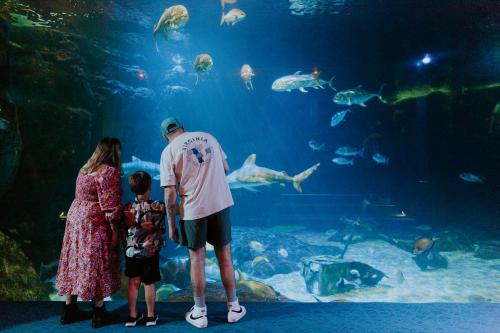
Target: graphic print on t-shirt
(198, 151)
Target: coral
(18, 278)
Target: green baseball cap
(170, 125)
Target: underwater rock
(430, 260)
(10, 143)
(488, 250)
(452, 241)
(176, 271)
(18, 278)
(10, 136)
(327, 275)
(248, 291)
(262, 253)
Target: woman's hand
(114, 240)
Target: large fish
(139, 165)
(234, 16)
(423, 245)
(299, 81)
(409, 93)
(250, 176)
(172, 19)
(357, 95)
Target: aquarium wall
(379, 122)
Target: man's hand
(172, 209)
(172, 233)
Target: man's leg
(197, 316)
(235, 310)
(197, 258)
(226, 270)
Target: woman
(89, 265)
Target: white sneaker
(235, 312)
(197, 317)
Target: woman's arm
(110, 194)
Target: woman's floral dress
(88, 267)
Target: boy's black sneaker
(132, 322)
(151, 321)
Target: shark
(250, 176)
(139, 165)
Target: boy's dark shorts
(215, 229)
(148, 269)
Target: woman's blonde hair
(107, 152)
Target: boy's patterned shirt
(145, 224)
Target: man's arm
(171, 203)
(226, 165)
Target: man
(196, 164)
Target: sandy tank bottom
(467, 278)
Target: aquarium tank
(372, 129)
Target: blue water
(429, 140)
(370, 44)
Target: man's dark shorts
(148, 269)
(215, 229)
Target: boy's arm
(127, 215)
(171, 202)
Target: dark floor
(277, 317)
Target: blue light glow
(426, 59)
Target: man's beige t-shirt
(194, 162)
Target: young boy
(145, 223)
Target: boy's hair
(140, 182)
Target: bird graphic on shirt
(202, 158)
(198, 155)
